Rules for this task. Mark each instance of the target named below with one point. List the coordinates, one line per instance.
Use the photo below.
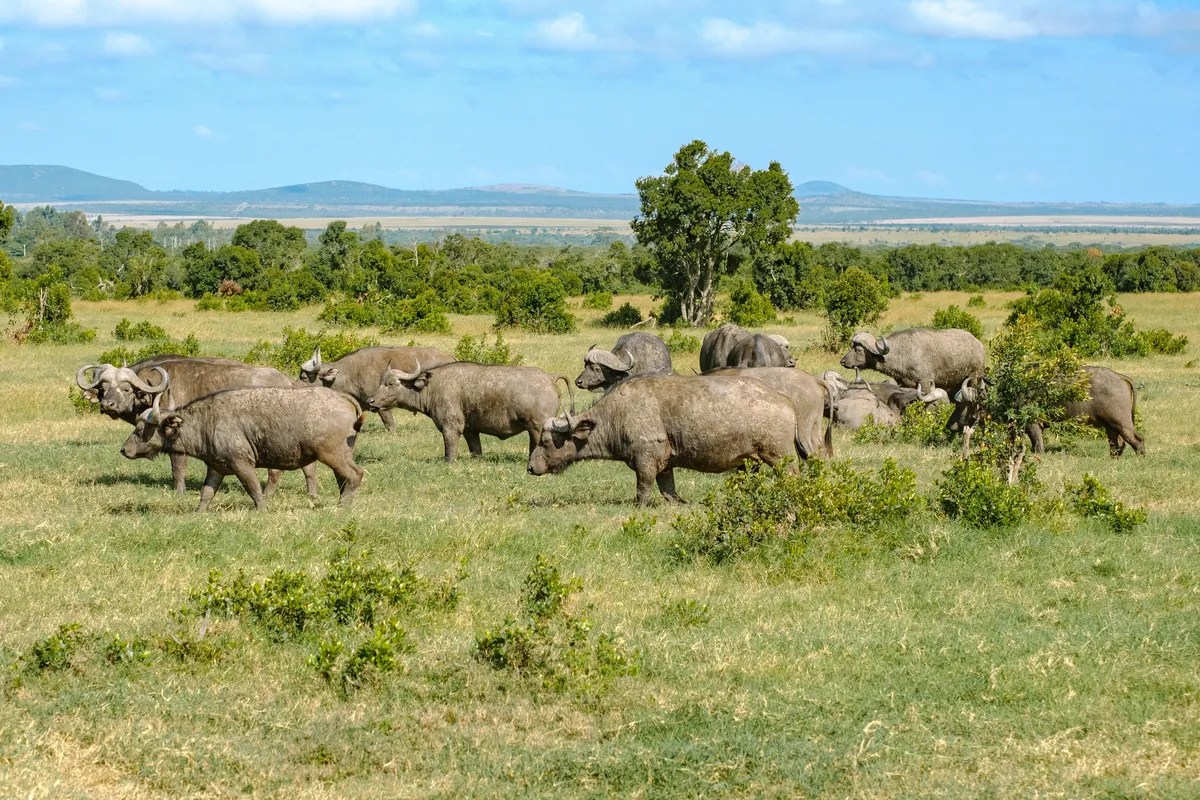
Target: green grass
(1042, 661)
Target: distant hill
(821, 202)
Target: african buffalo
(656, 423)
(919, 356)
(758, 350)
(235, 431)
(126, 392)
(809, 396)
(1110, 406)
(633, 354)
(358, 373)
(465, 399)
(714, 351)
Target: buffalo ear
(583, 429)
(170, 424)
(328, 376)
(421, 382)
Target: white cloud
(932, 178)
(568, 32)
(728, 38)
(126, 45)
(969, 19)
(203, 131)
(131, 12)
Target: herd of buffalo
(749, 402)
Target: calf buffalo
(633, 354)
(657, 423)
(235, 431)
(358, 374)
(465, 399)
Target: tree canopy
(702, 217)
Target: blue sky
(987, 99)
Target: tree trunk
(1014, 466)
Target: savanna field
(1056, 659)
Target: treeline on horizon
(266, 265)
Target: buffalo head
(559, 445)
(865, 352)
(602, 368)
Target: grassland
(1055, 661)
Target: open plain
(1053, 660)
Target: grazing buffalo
(465, 399)
(126, 392)
(657, 423)
(1110, 406)
(809, 396)
(714, 351)
(758, 350)
(634, 354)
(236, 431)
(358, 374)
(919, 356)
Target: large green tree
(278, 246)
(703, 216)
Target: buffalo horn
(97, 376)
(884, 348)
(610, 360)
(143, 386)
(408, 376)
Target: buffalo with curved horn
(634, 354)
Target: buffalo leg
(249, 479)
(212, 482)
(473, 443)
(349, 478)
(666, 485)
(389, 421)
(310, 477)
(179, 471)
(450, 437)
(1036, 439)
(1116, 445)
(273, 476)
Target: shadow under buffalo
(138, 479)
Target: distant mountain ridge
(821, 202)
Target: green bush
(46, 304)
(210, 302)
(298, 345)
(57, 651)
(1090, 498)
(682, 343)
(599, 301)
(534, 300)
(133, 332)
(856, 298)
(749, 308)
(975, 492)
(624, 317)
(479, 351)
(376, 655)
(955, 317)
(421, 314)
(349, 312)
(1161, 341)
(977, 301)
(919, 424)
(549, 643)
(123, 355)
(758, 506)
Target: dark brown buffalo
(633, 354)
(358, 374)
(465, 399)
(126, 392)
(236, 431)
(809, 396)
(715, 349)
(758, 350)
(922, 357)
(1111, 406)
(656, 423)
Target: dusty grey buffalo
(883, 402)
(919, 356)
(657, 423)
(236, 431)
(809, 396)
(126, 392)
(1111, 406)
(465, 399)
(358, 374)
(757, 350)
(714, 351)
(633, 354)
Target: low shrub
(549, 643)
(57, 651)
(757, 506)
(479, 351)
(189, 346)
(749, 308)
(347, 670)
(1161, 341)
(624, 317)
(421, 314)
(920, 424)
(349, 312)
(598, 301)
(639, 525)
(127, 331)
(298, 346)
(681, 343)
(975, 492)
(955, 317)
(977, 301)
(535, 300)
(683, 613)
(1090, 498)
